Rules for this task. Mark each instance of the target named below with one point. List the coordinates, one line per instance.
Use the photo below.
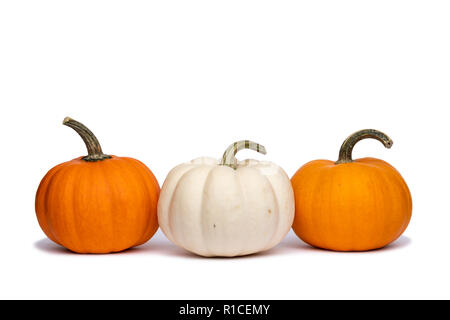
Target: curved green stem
(345, 154)
(229, 158)
(93, 146)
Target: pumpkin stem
(93, 146)
(229, 159)
(345, 154)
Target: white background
(168, 81)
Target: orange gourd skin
(98, 207)
(358, 206)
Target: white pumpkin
(226, 208)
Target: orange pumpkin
(351, 205)
(98, 203)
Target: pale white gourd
(226, 208)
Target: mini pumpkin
(228, 207)
(98, 203)
(351, 205)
